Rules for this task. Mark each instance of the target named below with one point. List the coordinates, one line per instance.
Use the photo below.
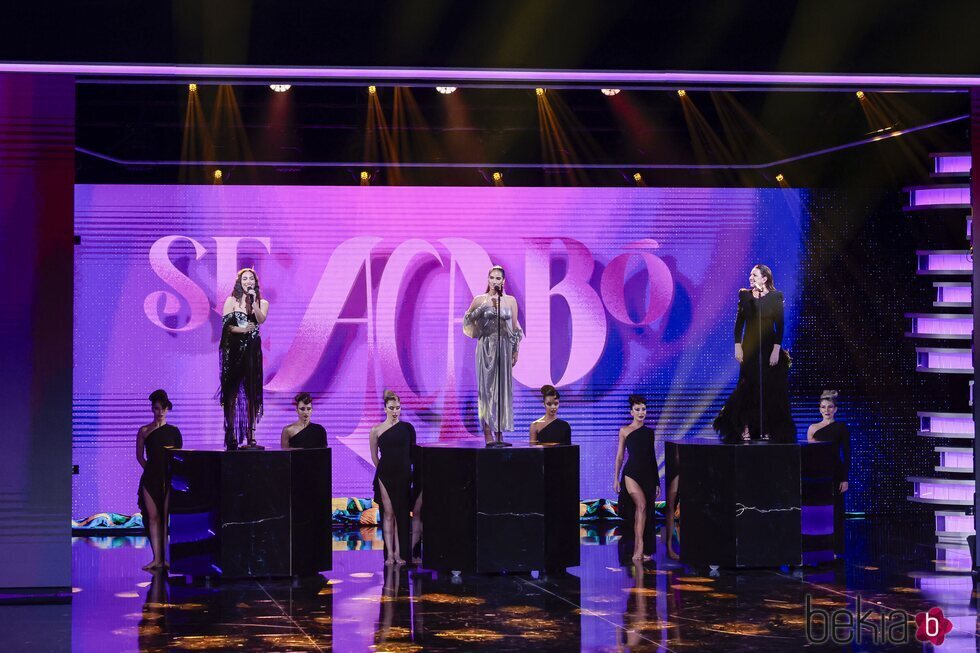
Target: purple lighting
(952, 164)
(944, 325)
(944, 262)
(942, 490)
(945, 360)
(939, 196)
(455, 75)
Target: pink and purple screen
(621, 290)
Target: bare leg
(390, 527)
(152, 522)
(416, 528)
(671, 509)
(640, 519)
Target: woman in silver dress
(492, 319)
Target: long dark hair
(503, 277)
(764, 271)
(239, 291)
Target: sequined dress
(494, 367)
(240, 368)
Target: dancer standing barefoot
(152, 441)
(639, 486)
(394, 441)
(492, 318)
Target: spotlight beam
(528, 166)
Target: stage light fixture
(280, 88)
(364, 175)
(192, 88)
(860, 95)
(637, 177)
(446, 90)
(610, 91)
(217, 175)
(539, 91)
(780, 178)
(373, 90)
(498, 177)
(681, 93)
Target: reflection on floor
(599, 606)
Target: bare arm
(374, 446)
(619, 460)
(231, 305)
(141, 447)
(809, 433)
(284, 438)
(533, 433)
(261, 311)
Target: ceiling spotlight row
(447, 90)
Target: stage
(597, 606)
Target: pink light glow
(957, 294)
(939, 196)
(943, 326)
(952, 164)
(945, 263)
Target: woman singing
(240, 360)
(303, 434)
(830, 430)
(152, 442)
(759, 405)
(639, 486)
(549, 429)
(392, 446)
(492, 318)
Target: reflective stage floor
(598, 606)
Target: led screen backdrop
(620, 290)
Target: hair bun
(160, 396)
(389, 395)
(637, 399)
(829, 394)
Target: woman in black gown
(240, 360)
(394, 440)
(639, 486)
(759, 405)
(549, 429)
(303, 434)
(830, 430)
(152, 442)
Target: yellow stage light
(446, 90)
(780, 178)
(373, 90)
(637, 177)
(192, 88)
(860, 95)
(497, 176)
(539, 91)
(217, 175)
(280, 88)
(364, 175)
(681, 93)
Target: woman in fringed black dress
(758, 408)
(240, 360)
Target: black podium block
(822, 519)
(740, 503)
(500, 510)
(247, 513)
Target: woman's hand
(513, 361)
(738, 352)
(250, 327)
(774, 357)
(843, 487)
(616, 487)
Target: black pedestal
(500, 510)
(823, 527)
(740, 503)
(250, 513)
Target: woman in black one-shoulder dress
(303, 433)
(828, 429)
(153, 497)
(759, 405)
(392, 444)
(639, 486)
(549, 429)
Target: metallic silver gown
(481, 323)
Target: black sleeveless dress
(641, 466)
(154, 478)
(396, 447)
(760, 399)
(240, 371)
(313, 436)
(558, 432)
(837, 434)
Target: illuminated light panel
(954, 361)
(944, 262)
(938, 490)
(954, 293)
(947, 522)
(951, 164)
(954, 326)
(959, 460)
(946, 423)
(945, 196)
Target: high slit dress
(395, 448)
(155, 479)
(641, 466)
